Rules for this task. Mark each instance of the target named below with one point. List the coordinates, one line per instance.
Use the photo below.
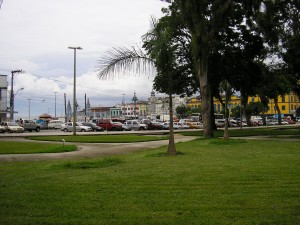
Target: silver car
(68, 127)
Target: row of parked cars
(128, 125)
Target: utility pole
(84, 107)
(123, 106)
(12, 95)
(65, 101)
(55, 92)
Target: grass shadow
(94, 163)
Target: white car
(68, 127)
(135, 125)
(177, 125)
(12, 127)
(55, 124)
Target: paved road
(89, 150)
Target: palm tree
(159, 55)
(227, 89)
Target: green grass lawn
(262, 131)
(212, 182)
(9, 147)
(124, 138)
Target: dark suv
(151, 125)
(107, 124)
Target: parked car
(2, 129)
(29, 125)
(194, 125)
(94, 126)
(290, 121)
(178, 125)
(124, 127)
(43, 124)
(13, 127)
(108, 124)
(68, 127)
(135, 125)
(220, 122)
(55, 124)
(166, 125)
(151, 125)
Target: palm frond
(117, 61)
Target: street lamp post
(55, 92)
(74, 90)
(29, 107)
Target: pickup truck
(29, 125)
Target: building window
(268, 108)
(219, 109)
(283, 107)
(292, 106)
(292, 98)
(252, 100)
(283, 98)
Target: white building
(160, 105)
(3, 98)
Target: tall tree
(162, 53)
(204, 20)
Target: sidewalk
(90, 150)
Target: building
(287, 103)
(131, 110)
(3, 98)
(160, 105)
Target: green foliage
(182, 111)
(166, 45)
(236, 111)
(254, 108)
(251, 182)
(298, 111)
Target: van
(55, 124)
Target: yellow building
(287, 103)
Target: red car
(108, 124)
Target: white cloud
(37, 36)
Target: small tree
(182, 110)
(227, 89)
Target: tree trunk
(244, 101)
(171, 147)
(206, 107)
(226, 131)
(264, 100)
(278, 110)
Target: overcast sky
(35, 35)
